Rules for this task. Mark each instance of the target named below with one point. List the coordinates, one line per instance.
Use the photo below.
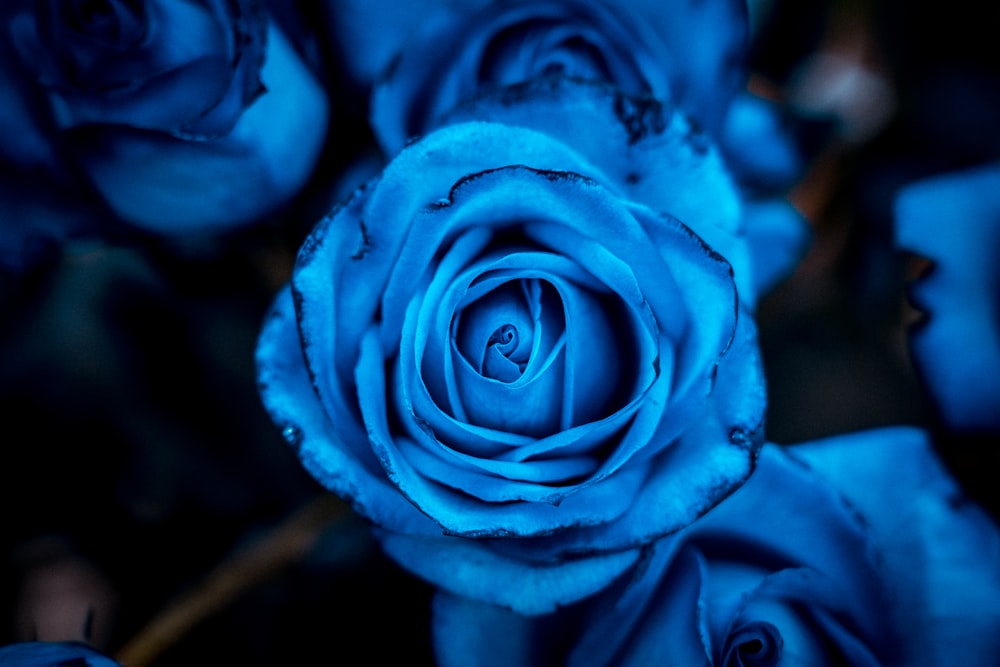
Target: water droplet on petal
(739, 436)
(292, 435)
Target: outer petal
(470, 568)
(941, 551)
(954, 221)
(676, 605)
(758, 149)
(764, 160)
(708, 41)
(322, 443)
(24, 114)
(369, 34)
(462, 627)
(643, 149)
(777, 236)
(872, 545)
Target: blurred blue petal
(162, 109)
(688, 53)
(52, 654)
(778, 237)
(765, 161)
(759, 150)
(462, 627)
(954, 221)
(124, 66)
(38, 214)
(24, 113)
(941, 551)
(783, 550)
(174, 186)
(368, 35)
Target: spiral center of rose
(754, 645)
(498, 336)
(531, 355)
(505, 340)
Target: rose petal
(166, 185)
(67, 56)
(335, 455)
(954, 221)
(625, 639)
(758, 149)
(436, 71)
(692, 52)
(645, 150)
(456, 512)
(573, 459)
(810, 617)
(462, 626)
(777, 236)
(941, 550)
(502, 406)
(696, 594)
(467, 569)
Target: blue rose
(760, 150)
(857, 550)
(194, 115)
(518, 376)
(52, 654)
(434, 55)
(954, 221)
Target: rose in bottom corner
(855, 550)
(517, 376)
(52, 654)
